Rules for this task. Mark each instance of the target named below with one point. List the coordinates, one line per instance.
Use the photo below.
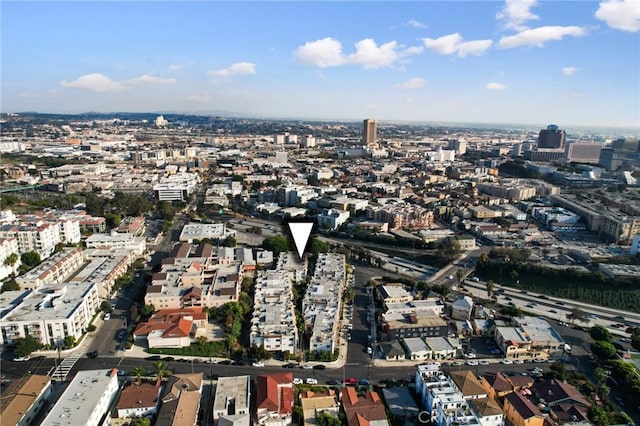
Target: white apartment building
(176, 187)
(49, 313)
(332, 219)
(273, 325)
(322, 300)
(41, 238)
(24, 398)
(103, 268)
(53, 270)
(231, 401)
(115, 241)
(87, 399)
(200, 231)
(532, 338)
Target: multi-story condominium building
(273, 325)
(194, 280)
(116, 241)
(199, 231)
(54, 270)
(610, 222)
(401, 215)
(461, 308)
(87, 400)
(322, 301)
(177, 187)
(370, 133)
(24, 398)
(332, 219)
(41, 237)
(532, 338)
(393, 294)
(232, 401)
(104, 267)
(400, 326)
(511, 189)
(49, 314)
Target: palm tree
(138, 372)
(459, 275)
(202, 340)
(161, 369)
(490, 285)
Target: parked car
(153, 358)
(290, 365)
(483, 362)
(363, 382)
(92, 354)
(22, 358)
(307, 367)
(258, 364)
(312, 381)
(472, 362)
(506, 361)
(297, 381)
(351, 381)
(320, 367)
(333, 382)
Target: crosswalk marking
(62, 370)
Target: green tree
(30, 259)
(147, 310)
(229, 242)
(69, 341)
(161, 369)
(202, 340)
(105, 306)
(318, 246)
(599, 333)
(602, 349)
(11, 285)
(138, 371)
(277, 244)
(141, 421)
(113, 220)
(490, 285)
(11, 260)
(326, 419)
(348, 295)
(26, 345)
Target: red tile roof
(275, 393)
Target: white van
(107, 316)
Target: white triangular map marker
(300, 232)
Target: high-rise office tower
(369, 132)
(551, 137)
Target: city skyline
(571, 63)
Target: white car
(307, 367)
(506, 361)
(22, 358)
(470, 355)
(518, 361)
(312, 381)
(297, 381)
(484, 362)
(258, 364)
(369, 351)
(107, 316)
(472, 362)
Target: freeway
(558, 308)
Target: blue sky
(527, 61)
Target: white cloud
(445, 45)
(415, 24)
(569, 70)
(149, 80)
(239, 68)
(412, 83)
(370, 55)
(538, 36)
(454, 44)
(326, 52)
(620, 14)
(475, 47)
(175, 67)
(516, 13)
(496, 86)
(94, 82)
